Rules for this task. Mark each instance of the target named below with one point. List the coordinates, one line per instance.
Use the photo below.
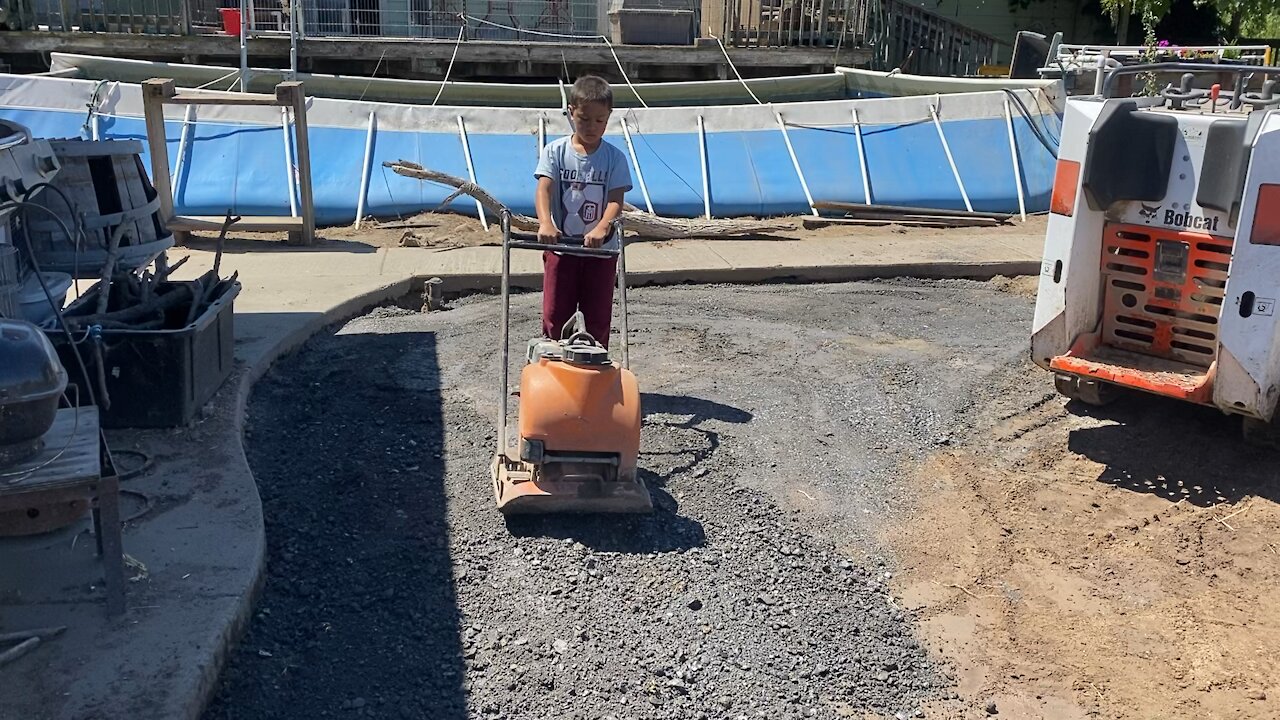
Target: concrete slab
(195, 519)
(193, 529)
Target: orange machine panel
(1163, 291)
(574, 408)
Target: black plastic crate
(155, 378)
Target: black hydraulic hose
(1035, 128)
(57, 307)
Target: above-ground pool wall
(234, 157)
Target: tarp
(797, 88)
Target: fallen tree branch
(157, 305)
(634, 220)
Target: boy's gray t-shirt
(582, 184)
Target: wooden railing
(924, 43)
(787, 23)
(901, 34)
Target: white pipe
(542, 135)
(933, 110)
(288, 161)
(1103, 57)
(795, 162)
(187, 117)
(644, 189)
(471, 170)
(862, 158)
(1013, 152)
(706, 179)
(366, 170)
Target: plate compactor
(1162, 256)
(577, 436)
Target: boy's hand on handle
(548, 234)
(597, 236)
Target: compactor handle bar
(1239, 70)
(568, 245)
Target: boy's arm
(619, 184)
(547, 231)
(599, 234)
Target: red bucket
(230, 21)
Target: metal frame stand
(156, 93)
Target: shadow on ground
(1175, 450)
(359, 614)
(239, 244)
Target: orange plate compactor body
(578, 441)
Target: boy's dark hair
(589, 89)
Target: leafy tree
(1256, 18)
(1249, 17)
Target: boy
(581, 183)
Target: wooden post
(154, 93)
(290, 94)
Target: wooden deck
(427, 59)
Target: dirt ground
(445, 231)
(1049, 560)
(1113, 563)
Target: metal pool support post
(862, 158)
(706, 178)
(795, 162)
(542, 135)
(288, 162)
(246, 7)
(631, 148)
(1013, 152)
(471, 169)
(937, 123)
(187, 118)
(366, 169)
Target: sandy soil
(443, 231)
(1117, 563)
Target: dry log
(634, 220)
(158, 304)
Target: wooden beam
(858, 208)
(251, 99)
(812, 222)
(154, 94)
(471, 52)
(292, 93)
(895, 217)
(251, 223)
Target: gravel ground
(779, 422)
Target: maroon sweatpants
(571, 283)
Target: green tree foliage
(1253, 18)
